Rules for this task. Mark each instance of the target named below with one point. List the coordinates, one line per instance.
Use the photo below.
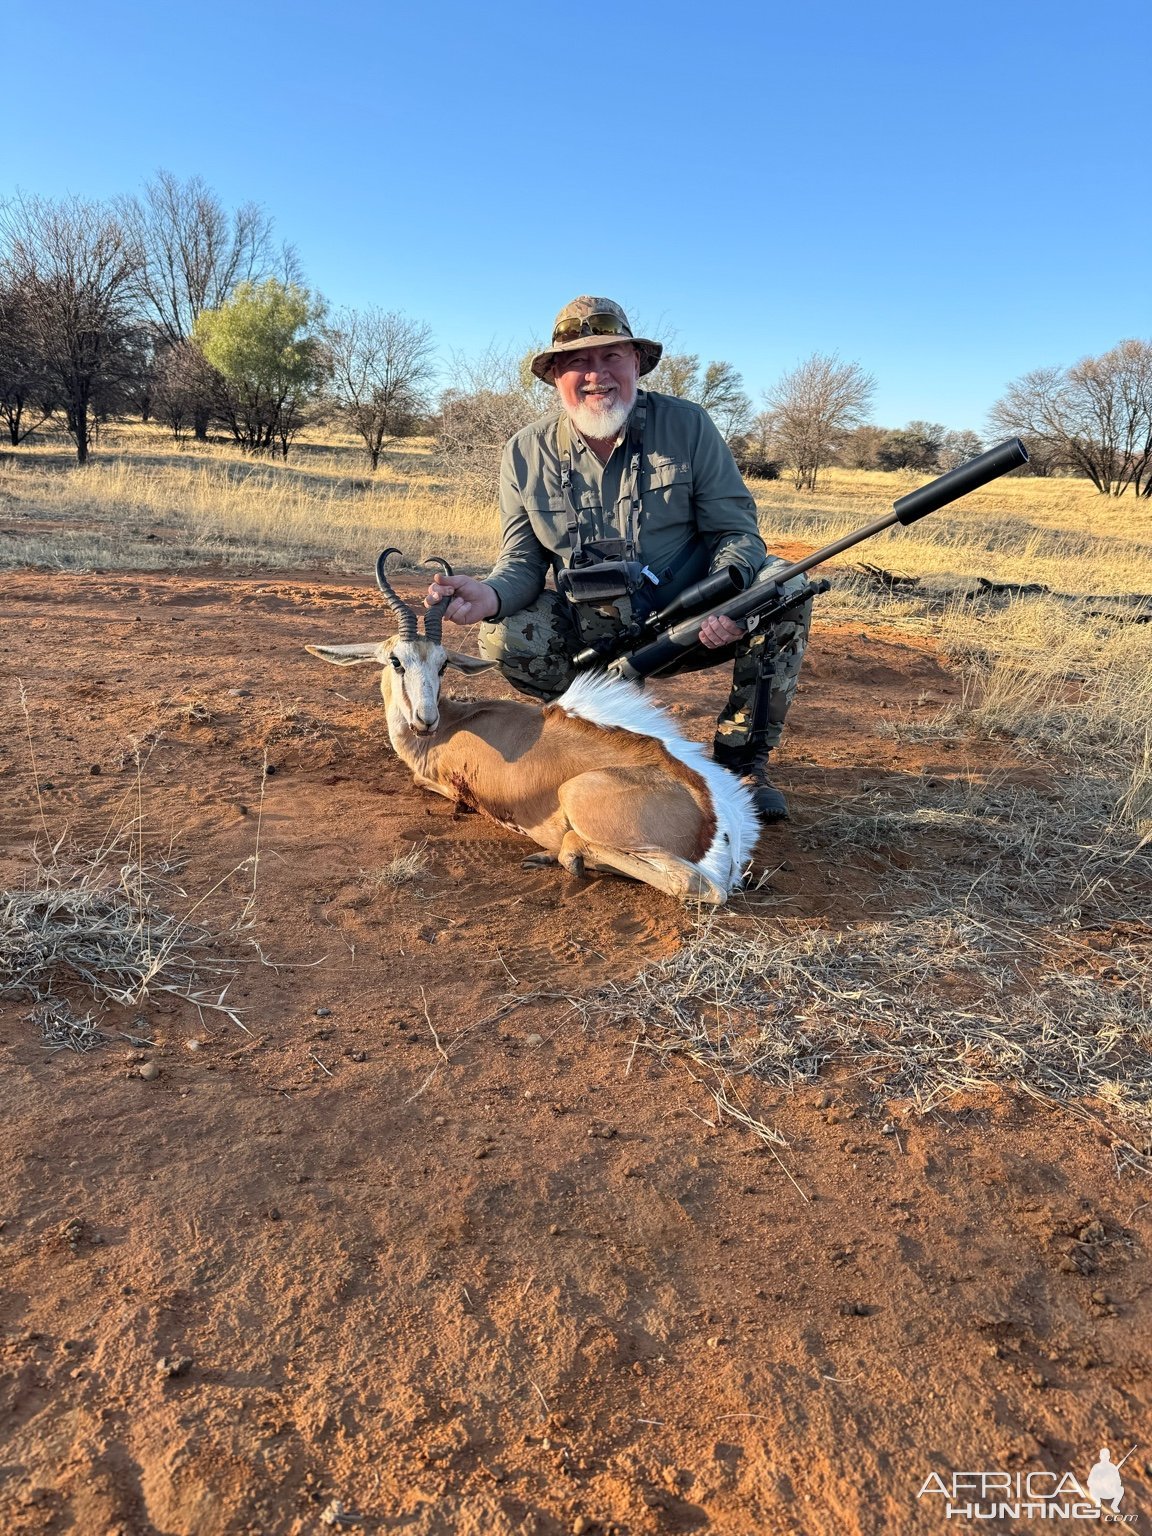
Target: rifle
(675, 635)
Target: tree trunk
(200, 418)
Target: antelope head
(412, 664)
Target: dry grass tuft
(924, 1009)
(64, 1030)
(400, 871)
(1058, 532)
(151, 506)
(1064, 853)
(97, 926)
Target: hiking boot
(769, 802)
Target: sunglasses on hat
(590, 325)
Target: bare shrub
(1094, 418)
(491, 397)
(812, 409)
(382, 364)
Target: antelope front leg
(573, 851)
(539, 860)
(437, 789)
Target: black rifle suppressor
(764, 601)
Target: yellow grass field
(145, 502)
(1039, 669)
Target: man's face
(597, 386)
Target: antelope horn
(434, 616)
(409, 625)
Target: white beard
(594, 421)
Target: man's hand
(719, 631)
(472, 600)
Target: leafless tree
(859, 449)
(1094, 418)
(26, 395)
(490, 398)
(719, 389)
(957, 448)
(195, 253)
(183, 380)
(75, 266)
(812, 410)
(382, 365)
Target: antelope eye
(395, 664)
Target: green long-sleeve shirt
(696, 517)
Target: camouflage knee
(787, 638)
(534, 648)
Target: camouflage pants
(534, 650)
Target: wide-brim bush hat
(591, 322)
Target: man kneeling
(623, 474)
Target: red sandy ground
(537, 1293)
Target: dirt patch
(422, 1253)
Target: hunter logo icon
(1105, 1485)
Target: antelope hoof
(538, 861)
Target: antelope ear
(347, 655)
(464, 663)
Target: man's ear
(348, 655)
(469, 664)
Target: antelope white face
(410, 683)
(410, 677)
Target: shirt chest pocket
(668, 494)
(549, 516)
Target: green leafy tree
(264, 344)
(916, 446)
(677, 373)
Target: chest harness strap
(630, 492)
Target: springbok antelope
(601, 779)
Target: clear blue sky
(948, 194)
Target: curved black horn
(434, 616)
(409, 625)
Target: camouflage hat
(589, 322)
